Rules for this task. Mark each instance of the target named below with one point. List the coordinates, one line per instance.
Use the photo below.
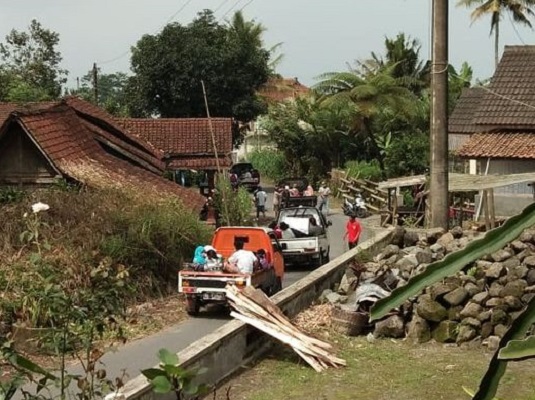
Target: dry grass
(384, 369)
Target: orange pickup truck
(201, 288)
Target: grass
(384, 369)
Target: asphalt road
(129, 359)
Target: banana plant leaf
(493, 241)
(496, 369)
(518, 349)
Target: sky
(316, 36)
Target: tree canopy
(30, 65)
(169, 67)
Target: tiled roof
(280, 89)
(182, 136)
(201, 163)
(461, 119)
(109, 132)
(499, 145)
(70, 144)
(511, 96)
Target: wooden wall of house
(20, 160)
(456, 140)
(510, 166)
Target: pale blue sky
(318, 36)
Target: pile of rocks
(477, 304)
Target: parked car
(202, 288)
(248, 176)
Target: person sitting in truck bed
(262, 259)
(313, 228)
(287, 232)
(309, 191)
(241, 261)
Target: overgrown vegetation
(234, 207)
(270, 162)
(57, 254)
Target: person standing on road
(260, 199)
(353, 231)
(323, 197)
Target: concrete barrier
(226, 349)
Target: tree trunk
(496, 43)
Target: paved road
(139, 354)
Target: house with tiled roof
(78, 141)
(497, 124)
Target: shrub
(234, 207)
(364, 170)
(270, 162)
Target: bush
(234, 207)
(407, 155)
(364, 170)
(270, 163)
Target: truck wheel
(319, 261)
(277, 287)
(192, 306)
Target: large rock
(487, 329)
(494, 302)
(518, 272)
(445, 332)
(437, 248)
(397, 236)
(513, 303)
(511, 263)
(334, 298)
(392, 326)
(407, 263)
(484, 316)
(501, 255)
(499, 316)
(424, 257)
(445, 239)
(495, 289)
(439, 290)
(410, 239)
(456, 297)
(492, 342)
(473, 322)
(526, 236)
(323, 296)
(480, 298)
(389, 251)
(471, 310)
(456, 232)
(346, 283)
(472, 288)
(418, 330)
(530, 277)
(518, 245)
(514, 288)
(466, 333)
(495, 270)
(454, 313)
(500, 329)
(529, 261)
(430, 310)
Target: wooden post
(486, 208)
(492, 209)
(395, 209)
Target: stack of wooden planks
(253, 307)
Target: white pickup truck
(308, 247)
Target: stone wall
(476, 305)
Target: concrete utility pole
(438, 188)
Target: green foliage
(171, 377)
(454, 262)
(31, 65)
(11, 195)
(518, 349)
(407, 155)
(112, 95)
(234, 207)
(363, 170)
(270, 163)
(169, 67)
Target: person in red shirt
(353, 231)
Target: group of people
(240, 262)
(284, 231)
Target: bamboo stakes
(253, 307)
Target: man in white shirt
(260, 201)
(241, 261)
(323, 199)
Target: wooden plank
(381, 199)
(486, 208)
(492, 209)
(372, 207)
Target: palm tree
(520, 10)
(370, 96)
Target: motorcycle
(356, 207)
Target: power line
(516, 31)
(172, 17)
(246, 4)
(230, 9)
(221, 5)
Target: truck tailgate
(300, 245)
(199, 282)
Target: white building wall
(508, 166)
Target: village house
(493, 127)
(75, 140)
(186, 143)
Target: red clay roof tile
(499, 145)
